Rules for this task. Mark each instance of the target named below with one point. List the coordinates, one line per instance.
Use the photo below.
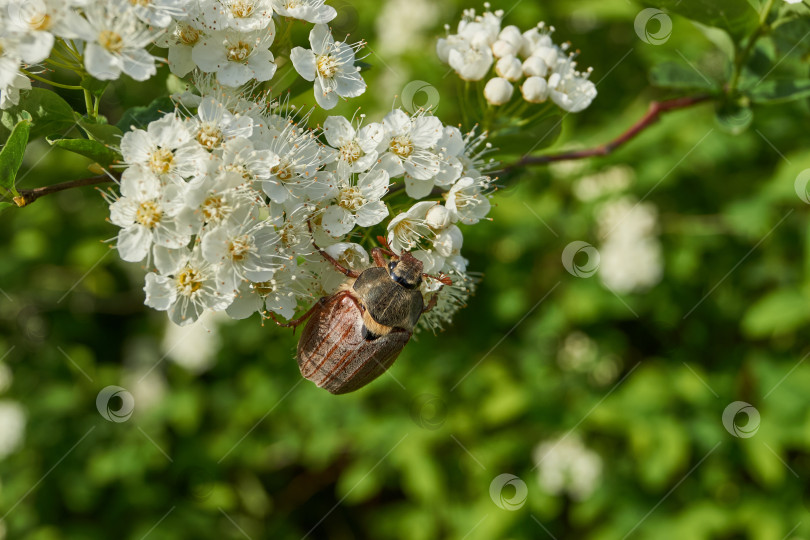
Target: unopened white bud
(534, 66)
(439, 217)
(548, 54)
(498, 91)
(509, 68)
(535, 90)
(502, 48)
(512, 35)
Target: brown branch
(653, 114)
(27, 196)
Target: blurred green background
(605, 402)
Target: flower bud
(534, 66)
(439, 217)
(502, 48)
(548, 54)
(535, 90)
(498, 91)
(511, 34)
(532, 39)
(509, 68)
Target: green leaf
(4, 205)
(788, 35)
(11, 155)
(94, 150)
(757, 4)
(780, 91)
(733, 118)
(718, 37)
(677, 75)
(50, 114)
(141, 116)
(737, 17)
(100, 131)
(521, 140)
(779, 312)
(94, 86)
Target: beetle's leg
(433, 299)
(377, 254)
(339, 267)
(441, 277)
(294, 323)
(386, 247)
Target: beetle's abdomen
(333, 352)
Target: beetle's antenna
(443, 278)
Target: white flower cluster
(224, 204)
(631, 255)
(566, 465)
(228, 38)
(548, 71)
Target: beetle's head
(406, 270)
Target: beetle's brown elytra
(353, 336)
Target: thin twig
(27, 196)
(653, 113)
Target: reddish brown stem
(653, 114)
(27, 196)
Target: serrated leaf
(101, 132)
(779, 312)
(49, 112)
(676, 75)
(94, 150)
(737, 17)
(141, 116)
(11, 155)
(780, 91)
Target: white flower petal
(304, 62)
(372, 213)
(338, 131)
(160, 291)
(337, 221)
(134, 243)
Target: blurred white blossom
(566, 466)
(194, 347)
(631, 255)
(12, 426)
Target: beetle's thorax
(407, 271)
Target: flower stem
(741, 56)
(60, 64)
(46, 81)
(653, 114)
(88, 103)
(27, 196)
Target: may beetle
(354, 335)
